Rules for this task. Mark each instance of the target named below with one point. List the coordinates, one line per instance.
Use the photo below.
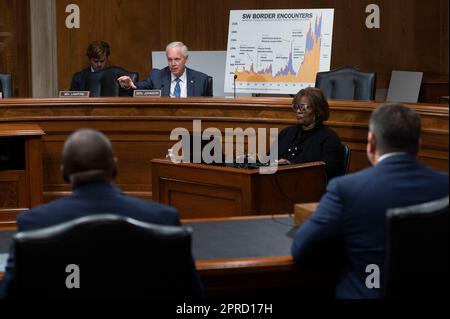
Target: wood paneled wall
(15, 44)
(413, 33)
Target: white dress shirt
(387, 155)
(183, 86)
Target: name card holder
(74, 93)
(147, 93)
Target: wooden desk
(199, 190)
(253, 260)
(433, 88)
(303, 211)
(250, 257)
(20, 170)
(140, 129)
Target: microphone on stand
(234, 85)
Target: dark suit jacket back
(89, 199)
(354, 207)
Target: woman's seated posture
(310, 140)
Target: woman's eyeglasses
(302, 107)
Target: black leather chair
(417, 249)
(104, 82)
(118, 258)
(346, 162)
(6, 85)
(347, 83)
(209, 89)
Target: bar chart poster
(277, 51)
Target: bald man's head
(88, 157)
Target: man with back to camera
(98, 54)
(175, 80)
(90, 166)
(354, 206)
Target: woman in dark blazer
(310, 140)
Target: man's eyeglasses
(300, 107)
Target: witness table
(245, 257)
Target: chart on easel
(277, 51)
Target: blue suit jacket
(354, 207)
(197, 82)
(89, 199)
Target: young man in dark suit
(355, 205)
(98, 54)
(175, 80)
(90, 166)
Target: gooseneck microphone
(234, 85)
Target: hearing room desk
(202, 191)
(247, 257)
(140, 128)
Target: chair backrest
(104, 82)
(347, 83)
(118, 257)
(417, 249)
(346, 162)
(6, 85)
(209, 89)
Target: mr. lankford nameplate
(74, 93)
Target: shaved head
(88, 157)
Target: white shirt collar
(387, 155)
(182, 77)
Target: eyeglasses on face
(300, 107)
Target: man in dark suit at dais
(90, 166)
(175, 80)
(354, 206)
(98, 54)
